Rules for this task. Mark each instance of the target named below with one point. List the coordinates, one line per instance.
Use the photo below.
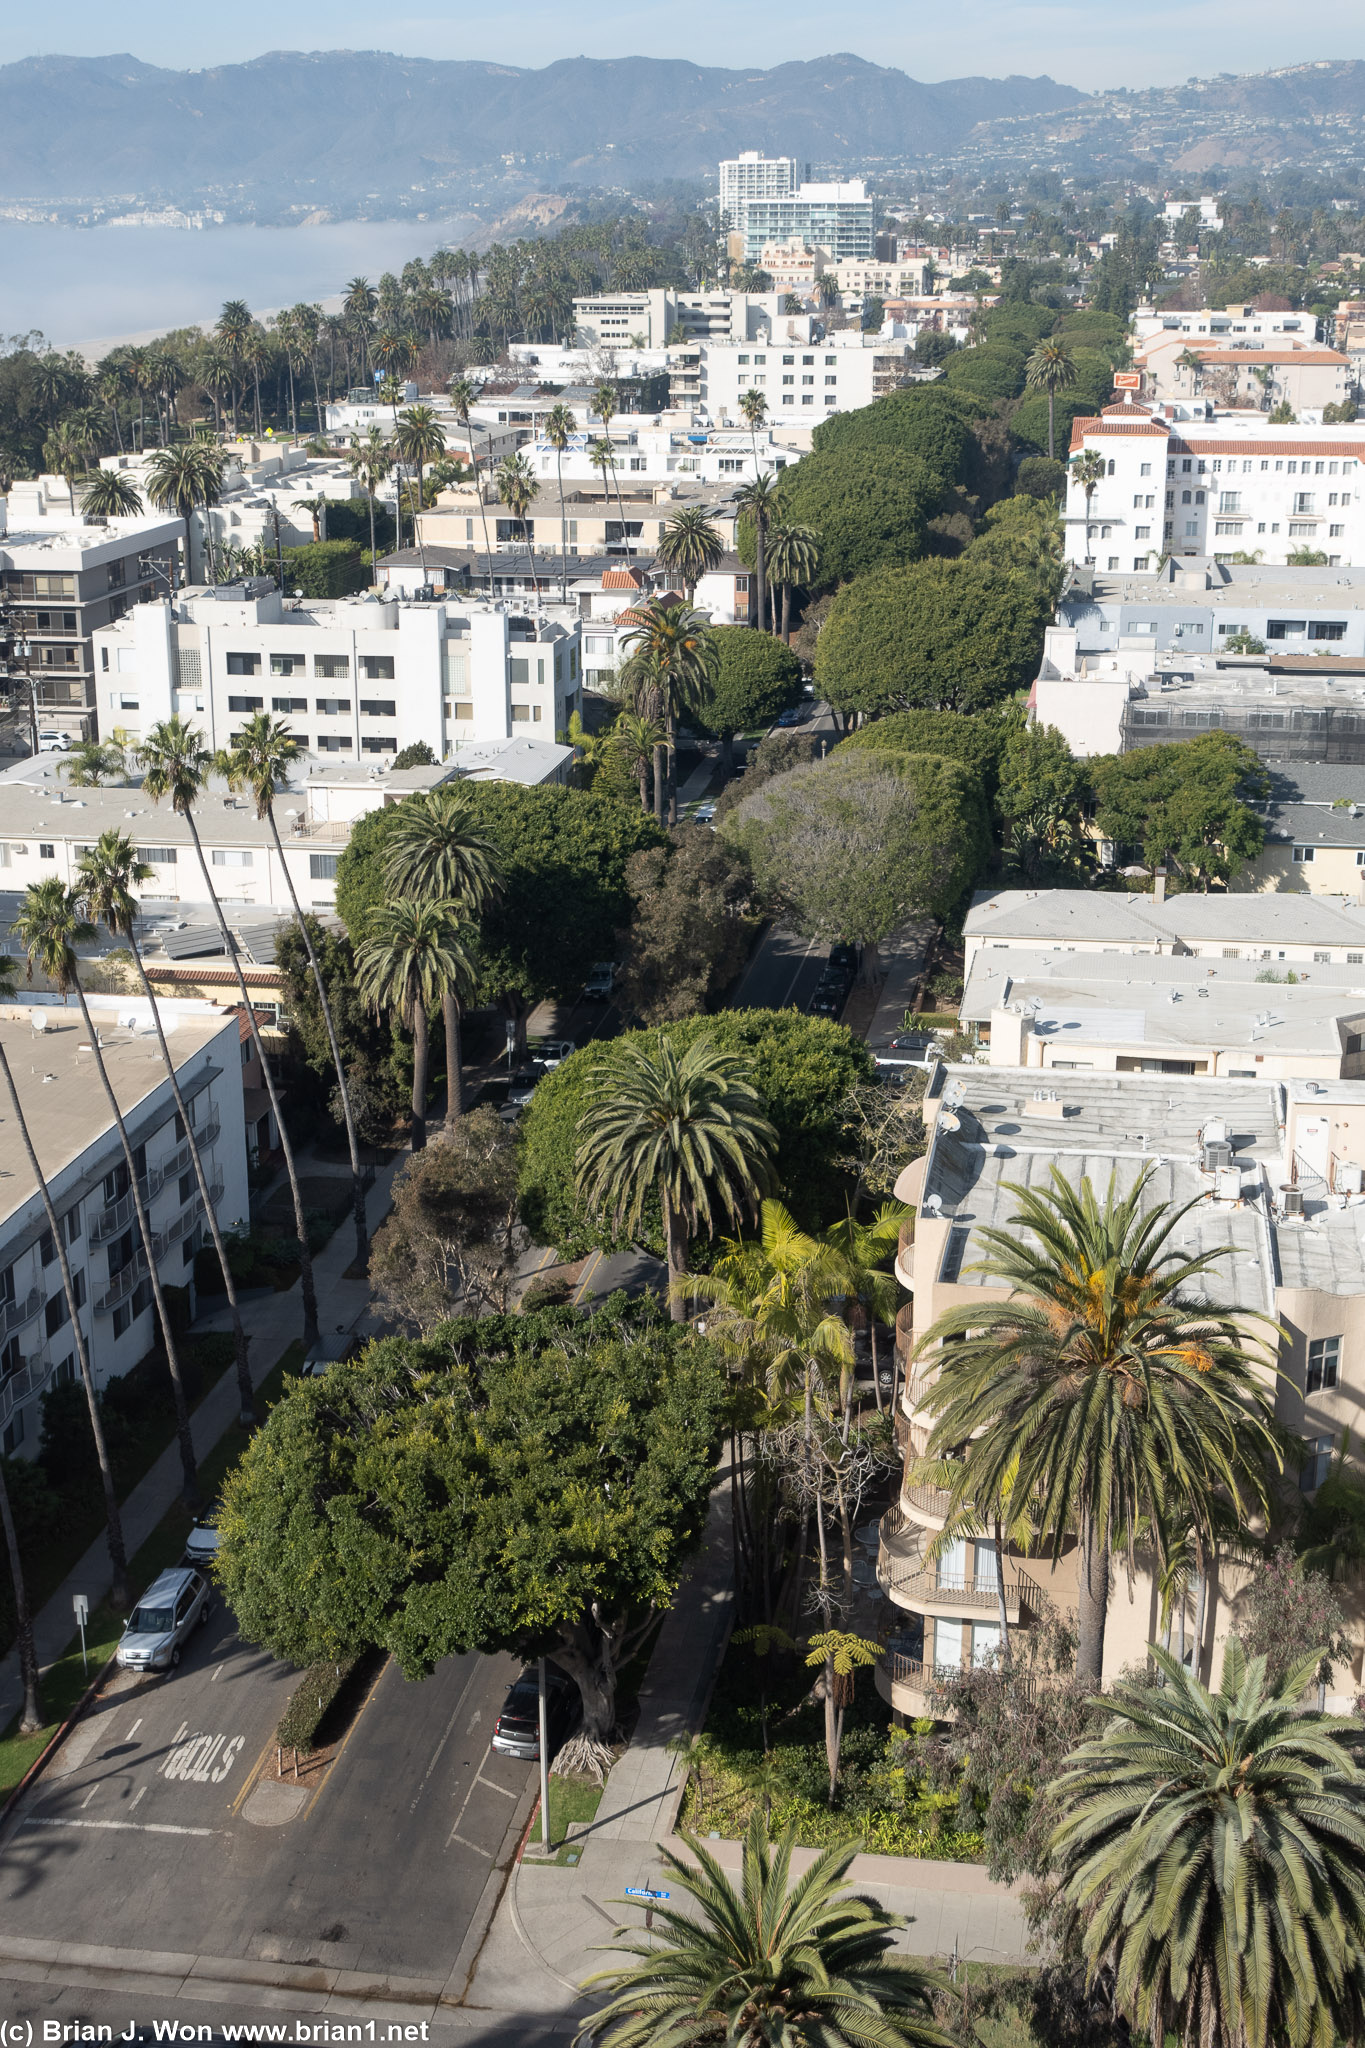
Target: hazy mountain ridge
(332, 127)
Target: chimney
(1159, 884)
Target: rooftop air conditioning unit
(1350, 1179)
(1217, 1156)
(1291, 1203)
(1227, 1185)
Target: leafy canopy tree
(930, 422)
(994, 370)
(870, 508)
(765, 1961)
(377, 1071)
(690, 931)
(976, 739)
(754, 677)
(1186, 804)
(450, 1235)
(1213, 1843)
(945, 635)
(1101, 1392)
(526, 1483)
(851, 847)
(803, 1069)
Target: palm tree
(639, 740)
(108, 495)
(689, 1127)
(753, 408)
(462, 395)
(50, 926)
(233, 329)
(370, 461)
(183, 478)
(176, 764)
(1052, 368)
(691, 547)
(31, 1712)
(64, 452)
(1192, 363)
(316, 508)
(765, 1963)
(419, 440)
(865, 1250)
(1213, 1842)
(559, 425)
(674, 655)
(1100, 1392)
(759, 500)
(517, 488)
(113, 1521)
(792, 558)
(258, 758)
(1088, 470)
(436, 853)
(92, 762)
(104, 880)
(414, 952)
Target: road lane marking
(455, 1835)
(139, 1794)
(216, 1676)
(797, 976)
(136, 1827)
(88, 1797)
(198, 1759)
(593, 1263)
(133, 1730)
(497, 1788)
(465, 1841)
(436, 1756)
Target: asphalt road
(148, 1832)
(783, 972)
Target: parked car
(522, 1086)
(550, 1051)
(201, 1545)
(516, 1732)
(158, 1628)
(327, 1352)
(829, 998)
(845, 958)
(53, 741)
(796, 715)
(704, 813)
(600, 982)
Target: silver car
(159, 1626)
(201, 1545)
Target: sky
(1149, 42)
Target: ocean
(90, 288)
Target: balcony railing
(32, 1376)
(122, 1284)
(116, 1216)
(924, 1589)
(930, 1500)
(21, 1311)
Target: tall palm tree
(31, 1712)
(753, 408)
(419, 440)
(233, 329)
(759, 500)
(639, 740)
(437, 853)
(113, 1520)
(369, 462)
(865, 1250)
(176, 764)
(104, 880)
(462, 396)
(517, 488)
(50, 926)
(1051, 367)
(765, 1963)
(316, 508)
(1213, 1843)
(602, 455)
(691, 547)
(64, 452)
(675, 656)
(258, 758)
(792, 559)
(688, 1127)
(1100, 1390)
(559, 425)
(108, 495)
(183, 478)
(413, 953)
(1088, 470)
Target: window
(233, 857)
(377, 707)
(1336, 533)
(1323, 959)
(381, 743)
(245, 703)
(244, 664)
(289, 704)
(157, 856)
(1232, 952)
(1227, 526)
(1303, 500)
(334, 707)
(378, 668)
(1285, 629)
(789, 380)
(334, 743)
(1304, 854)
(1142, 533)
(286, 664)
(462, 710)
(1327, 629)
(1305, 528)
(1324, 1359)
(1230, 501)
(322, 867)
(48, 851)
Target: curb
(40, 1762)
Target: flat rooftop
(1110, 919)
(1224, 585)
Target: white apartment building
(67, 575)
(647, 320)
(629, 519)
(360, 678)
(1262, 375)
(752, 175)
(803, 381)
(835, 217)
(82, 1161)
(1206, 210)
(1227, 483)
(1272, 928)
(872, 280)
(653, 451)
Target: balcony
(903, 1683)
(32, 1376)
(20, 1311)
(924, 1590)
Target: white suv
(159, 1626)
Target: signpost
(642, 1891)
(545, 1847)
(82, 1607)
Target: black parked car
(517, 1729)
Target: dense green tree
(976, 739)
(754, 678)
(1040, 477)
(992, 371)
(1051, 367)
(870, 509)
(1028, 420)
(1211, 1844)
(957, 635)
(776, 754)
(450, 1235)
(526, 1483)
(689, 931)
(325, 568)
(803, 1069)
(928, 421)
(415, 952)
(563, 854)
(378, 1074)
(852, 846)
(1186, 805)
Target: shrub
(312, 1696)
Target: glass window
(377, 668)
(377, 707)
(244, 664)
(286, 664)
(322, 867)
(245, 703)
(288, 704)
(1324, 1359)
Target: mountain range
(337, 127)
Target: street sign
(642, 1891)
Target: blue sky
(1151, 42)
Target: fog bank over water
(92, 287)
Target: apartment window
(334, 743)
(1324, 1359)
(287, 664)
(1303, 500)
(1191, 528)
(1232, 952)
(334, 707)
(1322, 959)
(1304, 854)
(462, 711)
(378, 743)
(1285, 629)
(377, 707)
(1303, 528)
(1227, 526)
(1327, 629)
(245, 703)
(1230, 501)
(288, 704)
(378, 668)
(521, 714)
(1336, 533)
(1142, 533)
(233, 857)
(789, 359)
(157, 856)
(244, 664)
(808, 380)
(322, 867)
(789, 380)
(807, 398)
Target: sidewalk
(271, 1324)
(553, 1925)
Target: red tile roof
(621, 579)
